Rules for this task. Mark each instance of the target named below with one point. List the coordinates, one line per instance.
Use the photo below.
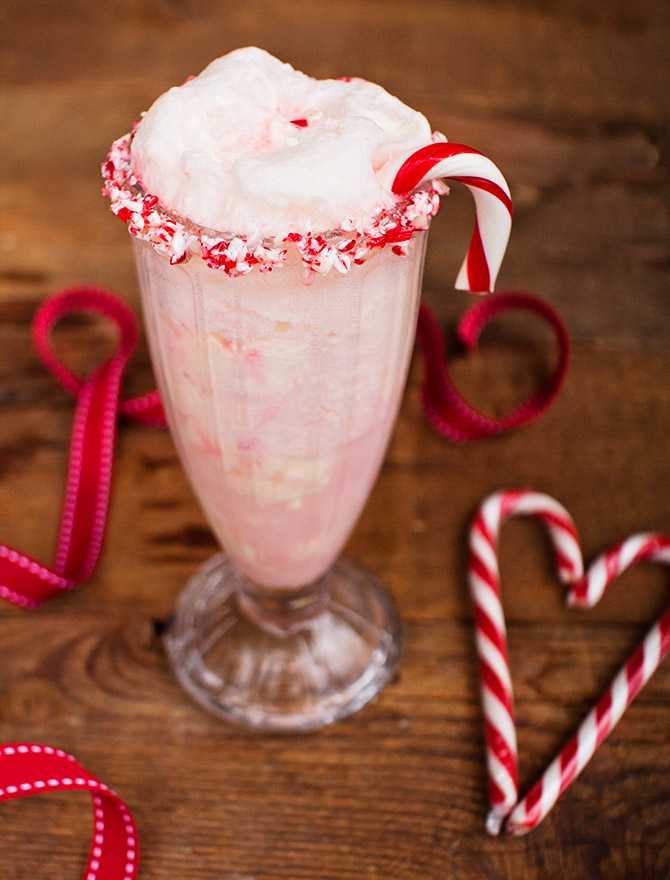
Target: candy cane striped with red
(631, 678)
(645, 547)
(28, 769)
(491, 638)
(493, 204)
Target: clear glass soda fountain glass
(281, 390)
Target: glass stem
(282, 612)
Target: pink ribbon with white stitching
(23, 580)
(30, 768)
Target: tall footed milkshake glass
(281, 390)
(281, 355)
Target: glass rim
(179, 238)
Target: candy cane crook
(491, 637)
(492, 201)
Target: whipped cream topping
(255, 148)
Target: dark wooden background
(571, 100)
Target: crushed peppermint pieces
(352, 244)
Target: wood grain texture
(570, 99)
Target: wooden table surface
(571, 100)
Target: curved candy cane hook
(493, 204)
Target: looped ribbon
(28, 769)
(145, 409)
(446, 409)
(23, 580)
(28, 583)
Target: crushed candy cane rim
(180, 239)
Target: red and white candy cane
(493, 204)
(23, 580)
(491, 637)
(28, 769)
(628, 682)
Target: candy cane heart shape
(625, 686)
(493, 204)
(584, 590)
(28, 769)
(490, 630)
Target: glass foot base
(284, 671)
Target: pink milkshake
(280, 278)
(281, 396)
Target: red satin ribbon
(28, 583)
(28, 769)
(448, 411)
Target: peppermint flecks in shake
(281, 348)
